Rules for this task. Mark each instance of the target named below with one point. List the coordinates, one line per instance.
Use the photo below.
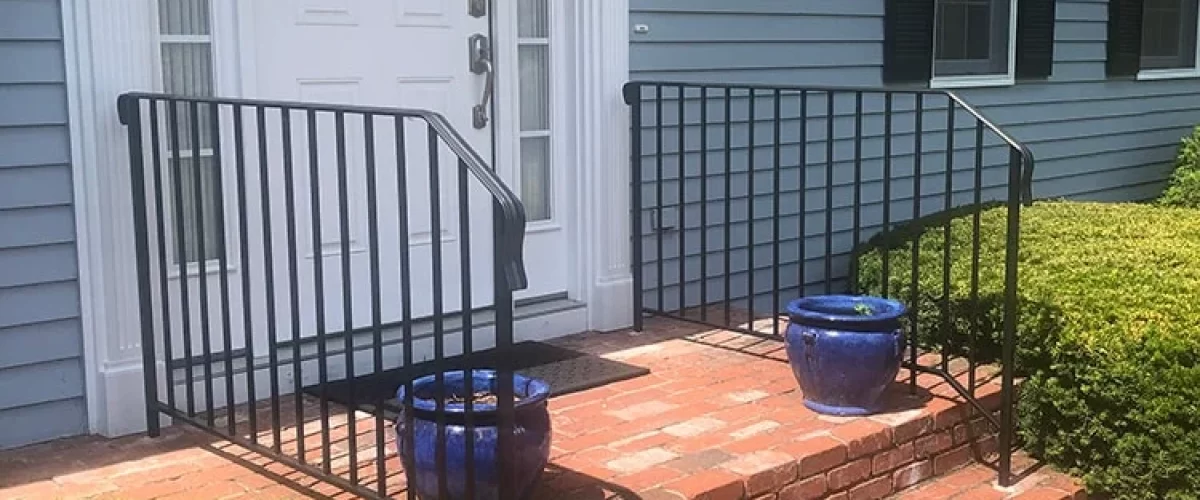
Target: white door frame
(110, 48)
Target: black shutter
(1124, 37)
(908, 41)
(1035, 38)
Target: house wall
(1093, 138)
(41, 364)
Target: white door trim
(110, 48)
(601, 121)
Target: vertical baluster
(802, 275)
(314, 186)
(750, 123)
(439, 341)
(682, 224)
(181, 257)
(239, 145)
(857, 226)
(637, 260)
(658, 198)
(201, 262)
(775, 192)
(914, 291)
(339, 119)
(405, 275)
(886, 254)
(703, 203)
(376, 300)
(223, 266)
(289, 195)
(464, 253)
(977, 190)
(728, 239)
(946, 237)
(830, 116)
(161, 240)
(264, 182)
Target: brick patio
(719, 417)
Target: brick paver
(719, 417)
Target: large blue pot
(532, 436)
(844, 350)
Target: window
(533, 61)
(945, 43)
(1169, 34)
(185, 43)
(1153, 39)
(971, 37)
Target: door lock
(477, 8)
(480, 59)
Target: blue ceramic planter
(532, 436)
(844, 350)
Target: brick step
(978, 481)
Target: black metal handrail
(715, 256)
(154, 124)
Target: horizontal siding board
(41, 383)
(36, 226)
(43, 422)
(44, 145)
(719, 28)
(761, 7)
(40, 342)
(39, 186)
(30, 20)
(35, 265)
(672, 56)
(33, 104)
(40, 61)
(39, 303)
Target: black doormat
(565, 370)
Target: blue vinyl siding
(41, 345)
(1093, 138)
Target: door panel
(394, 53)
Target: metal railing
(285, 245)
(747, 196)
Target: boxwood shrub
(1184, 187)
(1108, 332)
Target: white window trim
(996, 80)
(1175, 73)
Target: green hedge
(1108, 335)
(1184, 188)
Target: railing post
(1017, 160)
(633, 98)
(504, 339)
(129, 110)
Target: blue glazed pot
(844, 350)
(532, 434)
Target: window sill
(1168, 74)
(961, 82)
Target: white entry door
(393, 53)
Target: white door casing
(110, 48)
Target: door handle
(481, 64)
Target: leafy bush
(1108, 330)
(1184, 187)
